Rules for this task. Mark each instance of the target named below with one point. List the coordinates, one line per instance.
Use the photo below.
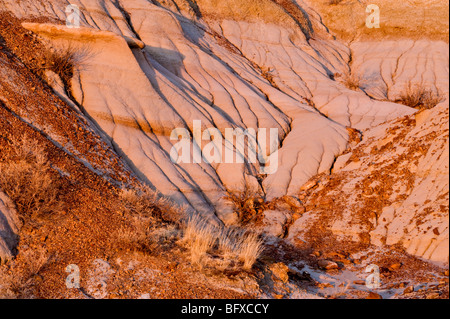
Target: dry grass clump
(142, 203)
(246, 246)
(419, 97)
(148, 231)
(39, 55)
(209, 246)
(18, 278)
(144, 236)
(351, 80)
(201, 237)
(148, 203)
(64, 61)
(249, 204)
(234, 247)
(28, 180)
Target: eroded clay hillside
(359, 166)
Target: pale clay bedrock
(151, 70)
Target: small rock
(274, 222)
(323, 285)
(340, 264)
(395, 266)
(280, 271)
(327, 264)
(308, 185)
(278, 296)
(296, 216)
(283, 206)
(373, 295)
(339, 255)
(292, 201)
(300, 210)
(359, 282)
(446, 273)
(408, 290)
(37, 277)
(302, 275)
(363, 258)
(345, 261)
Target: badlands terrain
(350, 176)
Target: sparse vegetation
(64, 60)
(148, 203)
(28, 180)
(201, 237)
(267, 74)
(248, 247)
(248, 204)
(210, 246)
(231, 244)
(351, 80)
(148, 232)
(18, 279)
(146, 237)
(419, 97)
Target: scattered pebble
(327, 264)
(408, 290)
(373, 295)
